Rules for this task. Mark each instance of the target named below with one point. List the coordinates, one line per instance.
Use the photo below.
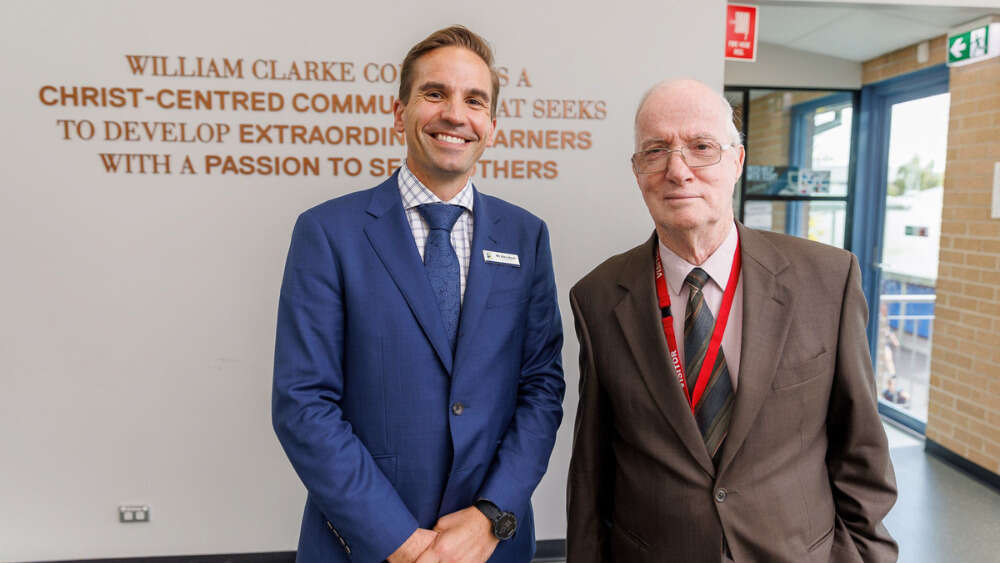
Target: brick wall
(767, 137)
(770, 124)
(903, 61)
(965, 360)
(964, 408)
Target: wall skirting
(268, 557)
(976, 471)
(546, 550)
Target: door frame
(872, 186)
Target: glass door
(911, 231)
(901, 168)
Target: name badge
(501, 258)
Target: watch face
(505, 526)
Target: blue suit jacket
(366, 386)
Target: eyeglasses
(696, 154)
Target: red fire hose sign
(741, 32)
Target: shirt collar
(415, 193)
(717, 266)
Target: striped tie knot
(697, 279)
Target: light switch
(996, 191)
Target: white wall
(137, 325)
(779, 66)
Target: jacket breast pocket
(788, 376)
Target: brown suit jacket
(804, 473)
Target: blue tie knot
(440, 215)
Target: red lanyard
(720, 327)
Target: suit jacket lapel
(766, 319)
(638, 314)
(392, 239)
(485, 234)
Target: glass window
(799, 152)
(918, 136)
(821, 221)
(827, 145)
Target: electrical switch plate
(996, 191)
(130, 513)
(923, 52)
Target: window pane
(797, 144)
(830, 149)
(821, 221)
(917, 148)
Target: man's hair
(454, 36)
(735, 137)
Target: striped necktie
(715, 407)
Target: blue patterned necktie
(441, 263)
(715, 408)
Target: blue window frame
(799, 149)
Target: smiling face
(447, 119)
(680, 199)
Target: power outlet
(132, 513)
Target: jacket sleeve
(524, 450)
(589, 494)
(861, 474)
(335, 467)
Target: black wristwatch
(504, 523)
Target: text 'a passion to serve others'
(273, 165)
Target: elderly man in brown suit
(727, 404)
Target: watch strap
(490, 510)
(504, 524)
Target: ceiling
(857, 32)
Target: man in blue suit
(418, 379)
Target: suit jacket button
(458, 408)
(720, 495)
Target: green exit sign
(973, 45)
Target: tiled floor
(942, 515)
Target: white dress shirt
(718, 265)
(414, 194)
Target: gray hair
(735, 137)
